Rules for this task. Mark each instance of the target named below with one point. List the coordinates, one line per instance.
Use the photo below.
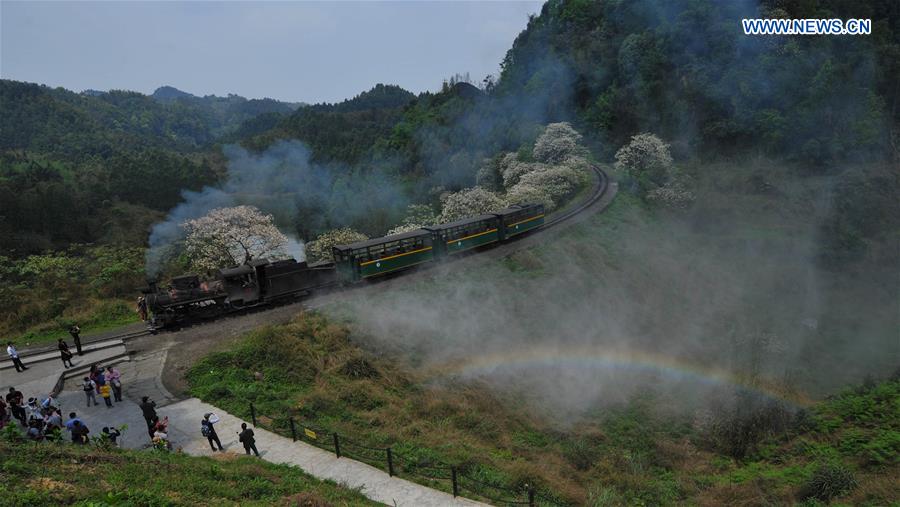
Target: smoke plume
(305, 198)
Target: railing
(433, 473)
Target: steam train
(262, 282)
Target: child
(106, 392)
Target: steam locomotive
(262, 282)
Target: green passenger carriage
(520, 218)
(379, 256)
(374, 257)
(462, 235)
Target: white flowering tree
(515, 170)
(523, 192)
(468, 203)
(646, 159)
(557, 181)
(320, 248)
(231, 236)
(558, 142)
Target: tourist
(209, 431)
(75, 331)
(79, 432)
(97, 376)
(142, 308)
(106, 392)
(161, 433)
(15, 398)
(48, 406)
(54, 421)
(148, 407)
(34, 411)
(246, 437)
(64, 353)
(73, 418)
(114, 379)
(34, 433)
(88, 386)
(4, 415)
(14, 355)
(111, 435)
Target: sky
(295, 51)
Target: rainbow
(611, 359)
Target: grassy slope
(312, 372)
(94, 316)
(63, 474)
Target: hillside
(345, 132)
(63, 473)
(644, 450)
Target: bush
(827, 482)
(671, 196)
(320, 248)
(737, 431)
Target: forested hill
(345, 132)
(54, 120)
(684, 70)
(100, 167)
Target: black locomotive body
(259, 282)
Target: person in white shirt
(14, 355)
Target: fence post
(530, 496)
(253, 414)
(390, 463)
(337, 445)
(293, 429)
(455, 484)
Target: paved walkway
(141, 377)
(41, 377)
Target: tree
(525, 193)
(558, 142)
(231, 236)
(320, 249)
(469, 202)
(646, 159)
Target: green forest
(86, 174)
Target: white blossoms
(468, 203)
(558, 169)
(231, 236)
(558, 143)
(646, 159)
(320, 248)
(647, 162)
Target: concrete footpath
(140, 377)
(42, 376)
